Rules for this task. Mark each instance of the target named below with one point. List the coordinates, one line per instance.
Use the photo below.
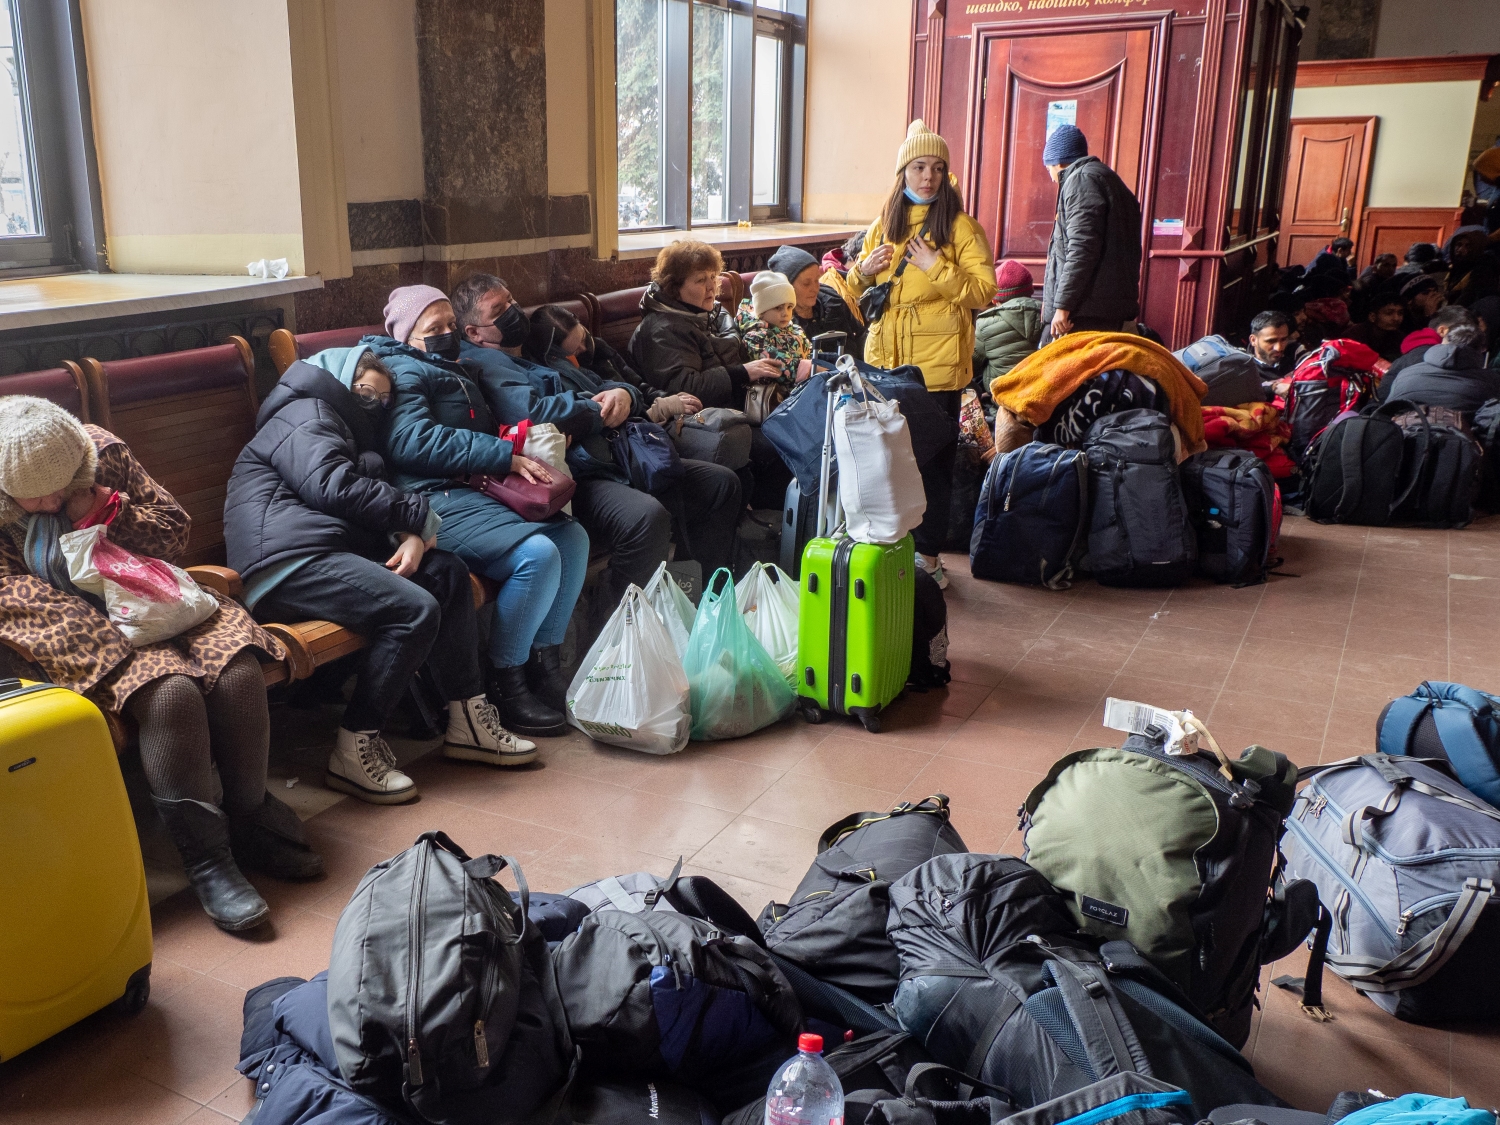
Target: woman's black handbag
(873, 300)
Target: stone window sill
(731, 238)
(70, 298)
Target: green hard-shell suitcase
(854, 618)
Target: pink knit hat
(406, 306)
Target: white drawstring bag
(880, 485)
(630, 689)
(767, 600)
(676, 611)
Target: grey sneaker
(935, 569)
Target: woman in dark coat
(310, 524)
(687, 344)
(441, 430)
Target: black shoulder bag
(873, 300)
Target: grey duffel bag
(715, 434)
(1406, 860)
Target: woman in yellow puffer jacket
(929, 315)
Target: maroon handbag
(529, 500)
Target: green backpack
(1177, 855)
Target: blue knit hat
(1066, 144)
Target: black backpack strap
(1107, 1036)
(663, 890)
(1352, 470)
(1424, 440)
(924, 1074)
(487, 867)
(1010, 1001)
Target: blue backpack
(1032, 516)
(647, 456)
(1449, 721)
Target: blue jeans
(540, 580)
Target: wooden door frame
(1367, 164)
(982, 34)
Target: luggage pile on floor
(1120, 482)
(1123, 509)
(1107, 975)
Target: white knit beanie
(769, 289)
(42, 447)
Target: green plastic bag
(734, 687)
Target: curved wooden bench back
(185, 416)
(286, 349)
(63, 385)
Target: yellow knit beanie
(920, 141)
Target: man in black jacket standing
(1094, 258)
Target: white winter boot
(363, 765)
(475, 735)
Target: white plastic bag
(880, 486)
(630, 689)
(767, 600)
(676, 611)
(147, 599)
(547, 444)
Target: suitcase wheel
(812, 713)
(868, 717)
(137, 992)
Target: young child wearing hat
(768, 327)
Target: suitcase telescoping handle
(830, 510)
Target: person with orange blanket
(1031, 390)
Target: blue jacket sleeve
(314, 460)
(421, 445)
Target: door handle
(1344, 221)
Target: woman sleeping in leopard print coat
(198, 699)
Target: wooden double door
(1098, 75)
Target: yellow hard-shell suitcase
(75, 922)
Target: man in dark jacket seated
(819, 307)
(1414, 347)
(1273, 344)
(635, 527)
(1381, 328)
(1094, 259)
(1451, 374)
(310, 523)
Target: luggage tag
(1144, 719)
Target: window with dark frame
(50, 215)
(709, 97)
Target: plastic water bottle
(805, 1090)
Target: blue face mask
(915, 198)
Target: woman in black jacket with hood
(686, 344)
(310, 524)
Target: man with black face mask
(493, 328)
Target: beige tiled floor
(1303, 664)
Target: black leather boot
(545, 679)
(520, 710)
(271, 840)
(201, 833)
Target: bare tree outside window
(18, 201)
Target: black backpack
(658, 994)
(834, 926)
(1139, 534)
(637, 1101)
(997, 983)
(440, 994)
(1231, 500)
(1356, 469)
(878, 1062)
(1487, 431)
(1440, 471)
(929, 634)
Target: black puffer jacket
(1448, 375)
(685, 350)
(831, 314)
(1094, 259)
(309, 479)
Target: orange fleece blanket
(1033, 388)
